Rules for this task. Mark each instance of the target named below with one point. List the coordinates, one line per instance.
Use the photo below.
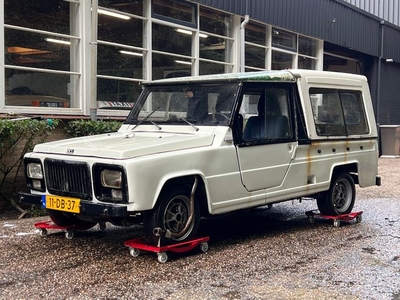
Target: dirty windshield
(201, 104)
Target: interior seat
(269, 123)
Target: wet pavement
(254, 254)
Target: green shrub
(88, 127)
(17, 137)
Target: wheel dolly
(139, 245)
(69, 230)
(312, 214)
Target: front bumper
(88, 209)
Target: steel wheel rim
(342, 195)
(176, 215)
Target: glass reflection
(115, 61)
(26, 88)
(46, 15)
(36, 50)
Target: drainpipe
(242, 45)
(93, 77)
(242, 38)
(378, 90)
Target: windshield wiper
(146, 118)
(194, 126)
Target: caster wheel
(204, 247)
(102, 226)
(311, 219)
(69, 235)
(162, 257)
(359, 219)
(134, 252)
(43, 232)
(336, 223)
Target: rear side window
(338, 112)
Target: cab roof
(276, 76)
(248, 76)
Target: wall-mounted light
(188, 32)
(58, 41)
(183, 62)
(130, 53)
(113, 14)
(389, 59)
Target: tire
(172, 213)
(67, 219)
(340, 197)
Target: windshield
(200, 103)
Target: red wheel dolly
(139, 245)
(312, 214)
(69, 230)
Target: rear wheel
(173, 215)
(66, 219)
(340, 197)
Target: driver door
(268, 143)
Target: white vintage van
(209, 145)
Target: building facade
(81, 58)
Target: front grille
(68, 178)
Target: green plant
(88, 127)
(17, 137)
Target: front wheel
(175, 215)
(340, 197)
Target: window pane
(281, 61)
(214, 22)
(255, 33)
(255, 56)
(169, 40)
(354, 113)
(47, 15)
(284, 39)
(266, 114)
(132, 7)
(118, 93)
(207, 68)
(174, 10)
(25, 88)
(215, 49)
(167, 66)
(327, 110)
(199, 103)
(36, 50)
(127, 32)
(115, 61)
(307, 46)
(307, 63)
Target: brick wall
(58, 134)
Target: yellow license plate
(63, 203)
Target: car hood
(122, 145)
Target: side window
(338, 112)
(265, 114)
(354, 113)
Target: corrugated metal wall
(388, 10)
(353, 24)
(335, 21)
(325, 19)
